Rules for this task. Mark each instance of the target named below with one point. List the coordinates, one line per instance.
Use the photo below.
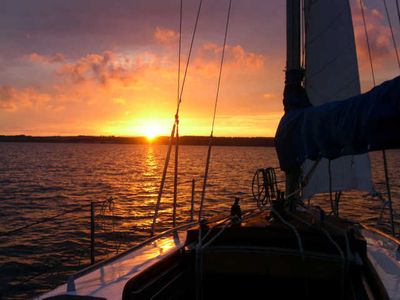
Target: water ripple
(42, 180)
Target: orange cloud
(236, 58)
(37, 58)
(110, 92)
(378, 34)
(137, 70)
(7, 98)
(165, 36)
(12, 99)
(100, 68)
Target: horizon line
(124, 136)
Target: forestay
(332, 74)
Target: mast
(293, 54)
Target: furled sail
(332, 74)
(329, 121)
(363, 123)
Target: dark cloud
(77, 27)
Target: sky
(99, 67)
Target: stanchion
(192, 205)
(92, 233)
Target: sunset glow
(151, 131)
(118, 73)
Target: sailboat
(287, 250)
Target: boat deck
(300, 230)
(106, 280)
(264, 254)
(284, 257)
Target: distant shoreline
(162, 140)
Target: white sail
(332, 74)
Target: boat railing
(249, 200)
(132, 249)
(379, 214)
(98, 215)
(98, 243)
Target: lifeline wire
(41, 221)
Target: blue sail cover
(363, 123)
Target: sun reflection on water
(41, 180)
(150, 173)
(150, 162)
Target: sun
(151, 131)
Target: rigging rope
(176, 122)
(374, 82)
(215, 111)
(202, 244)
(388, 192)
(179, 51)
(176, 175)
(298, 238)
(302, 35)
(189, 56)
(367, 40)
(334, 204)
(153, 225)
(199, 249)
(384, 152)
(391, 31)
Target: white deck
(109, 279)
(385, 257)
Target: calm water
(39, 181)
